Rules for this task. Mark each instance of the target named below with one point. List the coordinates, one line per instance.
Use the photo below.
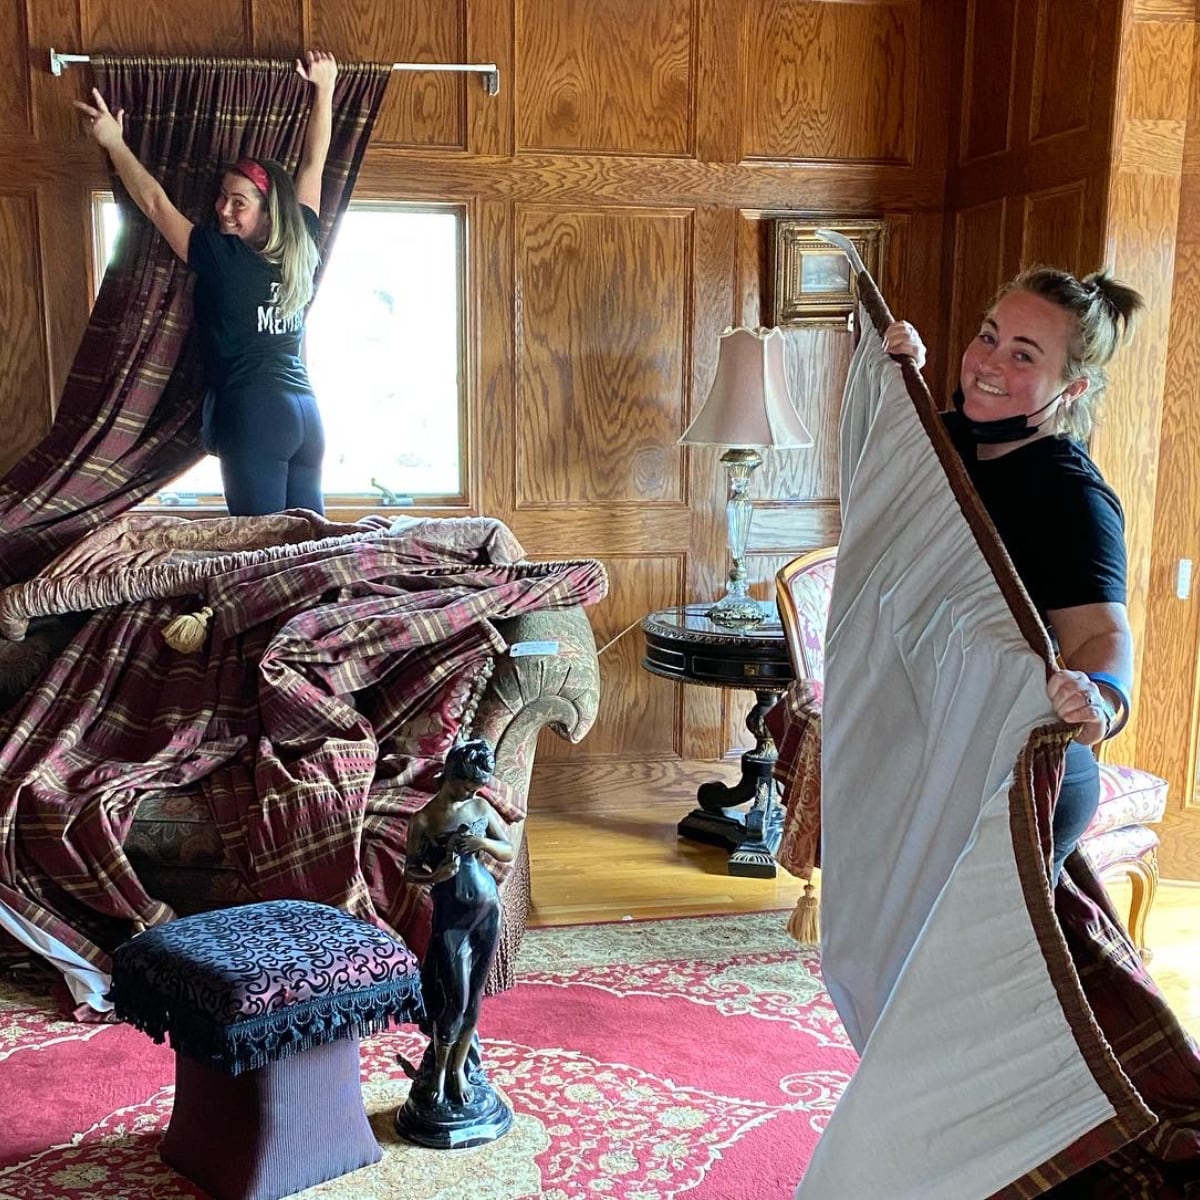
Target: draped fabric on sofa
(129, 417)
(296, 724)
(1011, 1040)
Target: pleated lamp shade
(749, 403)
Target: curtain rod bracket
(489, 71)
(58, 62)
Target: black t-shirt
(245, 342)
(1061, 523)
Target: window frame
(349, 505)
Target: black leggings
(270, 444)
(1077, 802)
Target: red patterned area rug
(694, 1058)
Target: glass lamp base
(737, 610)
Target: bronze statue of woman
(444, 840)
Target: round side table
(683, 644)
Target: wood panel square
(832, 81)
(978, 272)
(24, 385)
(419, 108)
(640, 714)
(608, 76)
(1062, 78)
(217, 27)
(601, 355)
(988, 83)
(1053, 230)
(15, 109)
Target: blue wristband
(1115, 686)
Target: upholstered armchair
(1120, 842)
(803, 588)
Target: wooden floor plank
(615, 856)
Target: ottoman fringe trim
(253, 1042)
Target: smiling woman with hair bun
(1029, 384)
(254, 278)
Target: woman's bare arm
(320, 69)
(146, 192)
(1091, 638)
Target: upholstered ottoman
(264, 1006)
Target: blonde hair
(288, 243)
(1104, 312)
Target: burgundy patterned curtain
(129, 417)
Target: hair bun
(1122, 301)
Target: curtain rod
(489, 71)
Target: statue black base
(449, 1124)
(455, 1126)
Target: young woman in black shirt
(1028, 388)
(254, 279)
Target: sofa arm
(560, 688)
(526, 692)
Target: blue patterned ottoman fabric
(241, 987)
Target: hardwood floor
(621, 858)
(1173, 935)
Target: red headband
(255, 172)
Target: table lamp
(749, 407)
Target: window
(385, 351)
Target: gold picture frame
(811, 280)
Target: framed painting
(811, 280)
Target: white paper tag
(528, 649)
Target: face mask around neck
(1004, 429)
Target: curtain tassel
(185, 633)
(805, 922)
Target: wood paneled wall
(1032, 149)
(1169, 708)
(1089, 167)
(1141, 223)
(618, 193)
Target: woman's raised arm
(320, 69)
(147, 193)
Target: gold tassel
(186, 632)
(805, 922)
